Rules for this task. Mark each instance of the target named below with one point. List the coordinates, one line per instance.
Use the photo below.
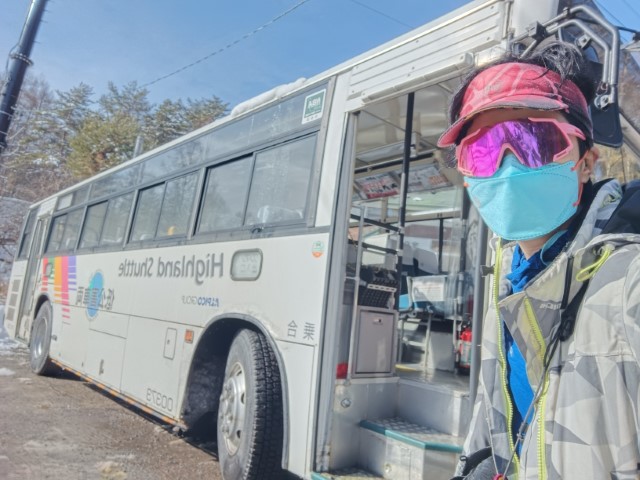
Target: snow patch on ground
(7, 346)
(111, 470)
(5, 372)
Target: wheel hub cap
(38, 339)
(233, 408)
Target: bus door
(25, 313)
(409, 235)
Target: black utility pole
(19, 61)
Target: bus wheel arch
(207, 373)
(42, 298)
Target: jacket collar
(533, 315)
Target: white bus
(299, 278)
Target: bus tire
(40, 341)
(250, 419)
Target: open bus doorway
(413, 246)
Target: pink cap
(519, 85)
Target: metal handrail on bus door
(356, 290)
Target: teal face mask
(521, 203)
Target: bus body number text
(159, 400)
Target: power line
(226, 47)
(381, 13)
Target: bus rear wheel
(40, 342)
(250, 421)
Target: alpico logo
(95, 296)
(96, 287)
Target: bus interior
(412, 241)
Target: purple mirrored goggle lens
(534, 143)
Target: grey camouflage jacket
(586, 419)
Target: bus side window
(280, 185)
(115, 222)
(177, 206)
(27, 233)
(64, 231)
(225, 196)
(147, 213)
(93, 225)
(57, 230)
(281, 181)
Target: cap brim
(451, 134)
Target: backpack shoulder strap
(626, 216)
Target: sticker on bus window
(313, 106)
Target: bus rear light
(342, 370)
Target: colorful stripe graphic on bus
(61, 273)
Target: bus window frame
(203, 192)
(132, 223)
(50, 230)
(313, 185)
(84, 223)
(87, 189)
(164, 238)
(310, 176)
(126, 226)
(22, 252)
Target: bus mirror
(606, 126)
(606, 122)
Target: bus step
(414, 435)
(345, 474)
(401, 450)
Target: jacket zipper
(533, 323)
(496, 282)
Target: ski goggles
(536, 142)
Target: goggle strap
(580, 184)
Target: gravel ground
(62, 428)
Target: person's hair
(565, 59)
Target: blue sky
(96, 41)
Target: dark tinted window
(280, 183)
(226, 196)
(147, 213)
(93, 225)
(177, 206)
(116, 220)
(64, 231)
(27, 234)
